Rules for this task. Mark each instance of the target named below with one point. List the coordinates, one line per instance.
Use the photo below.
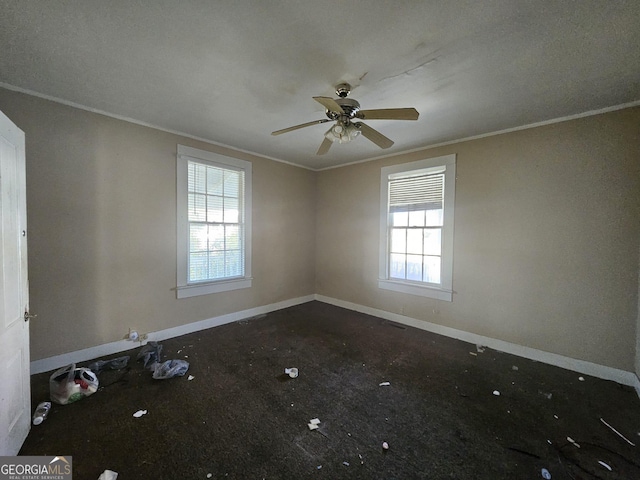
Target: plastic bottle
(42, 410)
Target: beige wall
(546, 238)
(546, 235)
(102, 229)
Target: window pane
(216, 265)
(232, 237)
(197, 207)
(231, 184)
(215, 181)
(399, 240)
(397, 266)
(431, 269)
(231, 210)
(414, 241)
(233, 263)
(414, 267)
(432, 241)
(400, 218)
(214, 209)
(197, 238)
(416, 218)
(197, 178)
(216, 237)
(434, 218)
(198, 270)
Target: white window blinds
(215, 210)
(424, 192)
(213, 223)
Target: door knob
(27, 316)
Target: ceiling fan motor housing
(348, 105)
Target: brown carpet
(242, 418)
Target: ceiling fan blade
(324, 147)
(330, 104)
(389, 114)
(296, 127)
(374, 135)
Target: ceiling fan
(344, 111)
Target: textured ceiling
(233, 71)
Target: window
(416, 227)
(214, 223)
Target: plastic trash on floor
(70, 384)
(114, 364)
(605, 465)
(314, 424)
(41, 413)
(170, 369)
(150, 353)
(108, 475)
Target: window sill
(414, 289)
(186, 291)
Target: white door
(15, 402)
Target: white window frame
(184, 289)
(443, 291)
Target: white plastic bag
(70, 384)
(170, 369)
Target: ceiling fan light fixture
(342, 132)
(344, 112)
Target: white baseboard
(57, 361)
(581, 366)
